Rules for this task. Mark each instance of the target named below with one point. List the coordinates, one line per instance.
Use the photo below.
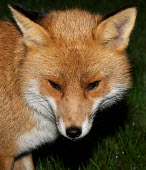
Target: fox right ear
(117, 28)
(33, 33)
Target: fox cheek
(44, 105)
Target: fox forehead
(62, 63)
(71, 26)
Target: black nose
(73, 132)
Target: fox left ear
(117, 28)
(33, 33)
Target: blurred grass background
(118, 139)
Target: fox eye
(55, 86)
(93, 85)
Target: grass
(123, 151)
(117, 140)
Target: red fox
(55, 74)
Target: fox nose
(73, 132)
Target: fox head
(74, 65)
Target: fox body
(55, 74)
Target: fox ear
(117, 28)
(33, 33)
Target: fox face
(75, 65)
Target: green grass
(117, 142)
(124, 151)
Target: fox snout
(74, 132)
(74, 126)
(74, 118)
